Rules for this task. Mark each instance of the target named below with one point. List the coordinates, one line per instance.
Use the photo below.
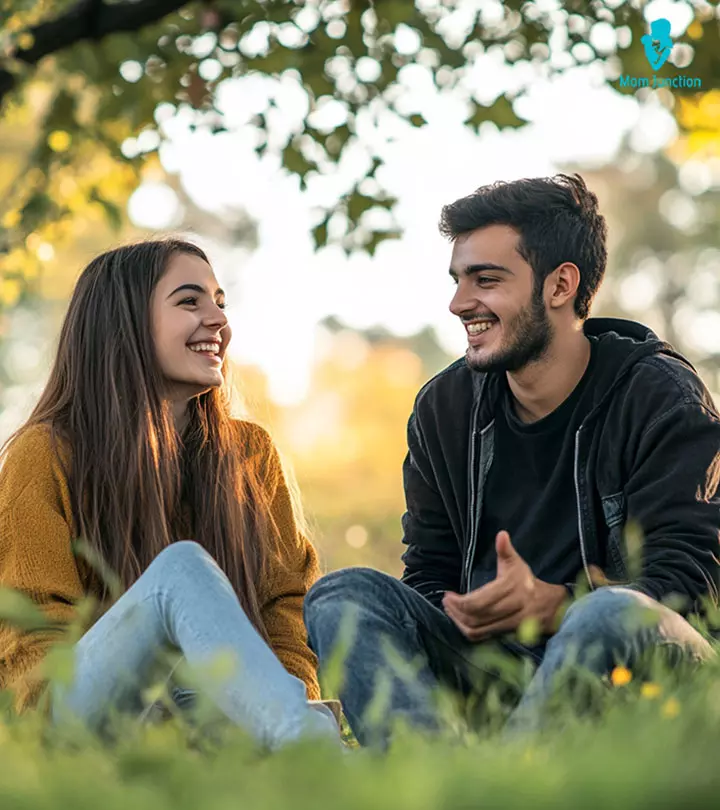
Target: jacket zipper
(472, 510)
(476, 505)
(581, 536)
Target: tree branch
(89, 19)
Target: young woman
(132, 449)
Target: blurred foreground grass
(654, 744)
(648, 738)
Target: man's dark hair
(557, 219)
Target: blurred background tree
(90, 84)
(665, 252)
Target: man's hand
(503, 604)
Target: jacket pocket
(614, 512)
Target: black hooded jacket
(647, 453)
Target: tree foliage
(94, 82)
(664, 266)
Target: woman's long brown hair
(130, 472)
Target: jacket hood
(620, 345)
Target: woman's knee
(182, 556)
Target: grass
(648, 745)
(642, 741)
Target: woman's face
(186, 312)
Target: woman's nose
(217, 317)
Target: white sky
(279, 293)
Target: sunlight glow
(285, 288)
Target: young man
(526, 461)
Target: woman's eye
(193, 302)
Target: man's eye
(478, 280)
(222, 306)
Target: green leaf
(20, 611)
(377, 238)
(83, 549)
(272, 63)
(59, 664)
(113, 214)
(35, 210)
(388, 75)
(320, 234)
(388, 203)
(634, 542)
(336, 140)
(529, 631)
(334, 672)
(319, 84)
(500, 112)
(357, 205)
(395, 13)
(417, 120)
(375, 166)
(294, 161)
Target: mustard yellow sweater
(36, 557)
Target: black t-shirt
(530, 490)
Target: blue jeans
(597, 632)
(184, 601)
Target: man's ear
(563, 284)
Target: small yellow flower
(650, 690)
(621, 676)
(59, 140)
(671, 708)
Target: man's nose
(463, 302)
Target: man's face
(182, 318)
(506, 321)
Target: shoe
(333, 706)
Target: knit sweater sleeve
(36, 558)
(292, 571)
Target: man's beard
(530, 333)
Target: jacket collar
(620, 344)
